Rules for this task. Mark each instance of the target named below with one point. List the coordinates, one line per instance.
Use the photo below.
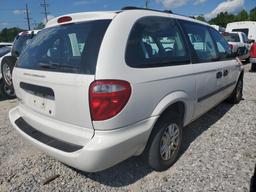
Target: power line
(45, 12)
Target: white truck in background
(247, 27)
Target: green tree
(201, 18)
(253, 14)
(222, 19)
(242, 16)
(8, 35)
(40, 26)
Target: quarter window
(155, 42)
(201, 41)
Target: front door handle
(219, 75)
(225, 73)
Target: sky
(12, 12)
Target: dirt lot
(219, 154)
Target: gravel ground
(219, 154)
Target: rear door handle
(225, 73)
(219, 75)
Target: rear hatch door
(55, 70)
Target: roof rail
(141, 8)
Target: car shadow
(135, 168)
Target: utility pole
(45, 12)
(146, 3)
(28, 18)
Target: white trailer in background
(248, 27)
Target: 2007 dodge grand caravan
(97, 88)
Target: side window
(223, 47)
(156, 42)
(201, 41)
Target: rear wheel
(7, 87)
(165, 142)
(253, 67)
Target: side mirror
(251, 41)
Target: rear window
(245, 30)
(71, 48)
(231, 37)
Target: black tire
(253, 67)
(237, 94)
(7, 87)
(247, 60)
(153, 153)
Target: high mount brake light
(108, 98)
(64, 19)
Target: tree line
(223, 18)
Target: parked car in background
(9, 60)
(253, 57)
(4, 51)
(239, 44)
(247, 27)
(5, 44)
(96, 88)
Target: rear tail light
(108, 98)
(253, 50)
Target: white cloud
(19, 11)
(197, 2)
(168, 4)
(230, 6)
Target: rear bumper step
(41, 137)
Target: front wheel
(164, 143)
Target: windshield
(20, 42)
(66, 48)
(231, 37)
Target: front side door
(207, 68)
(228, 64)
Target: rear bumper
(253, 60)
(103, 150)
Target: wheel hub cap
(169, 141)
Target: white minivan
(97, 88)
(247, 27)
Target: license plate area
(39, 98)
